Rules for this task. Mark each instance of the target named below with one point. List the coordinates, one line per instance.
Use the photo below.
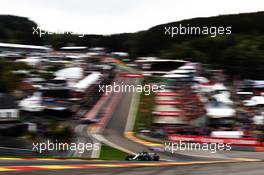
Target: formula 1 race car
(143, 156)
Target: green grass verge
(110, 153)
(144, 116)
(107, 153)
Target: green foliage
(20, 66)
(14, 29)
(186, 51)
(240, 53)
(8, 80)
(246, 58)
(60, 132)
(46, 75)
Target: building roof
(22, 46)
(74, 48)
(168, 120)
(70, 73)
(220, 111)
(87, 81)
(7, 101)
(153, 60)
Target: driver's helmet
(145, 153)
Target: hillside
(14, 29)
(240, 54)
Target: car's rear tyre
(156, 158)
(130, 157)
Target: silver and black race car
(143, 156)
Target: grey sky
(117, 16)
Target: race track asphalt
(252, 168)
